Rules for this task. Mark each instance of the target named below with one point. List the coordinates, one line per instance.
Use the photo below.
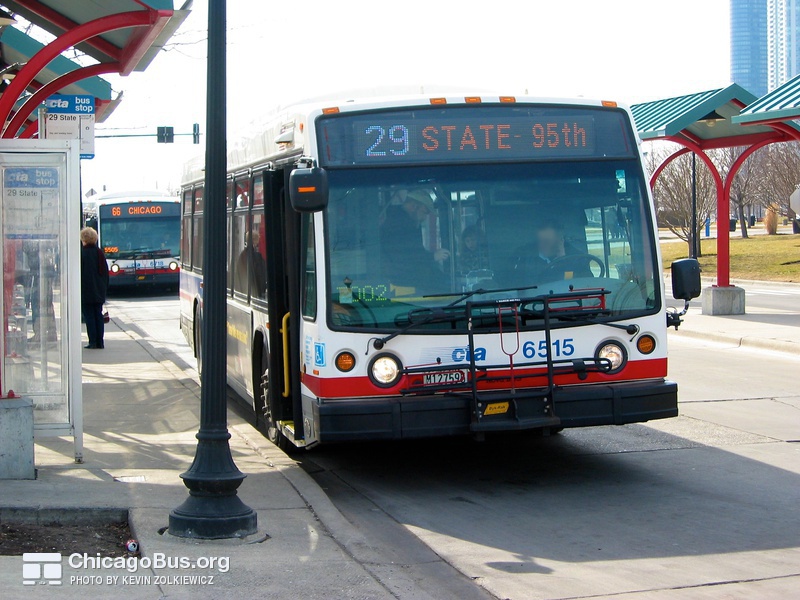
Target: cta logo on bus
(463, 354)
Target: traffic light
(196, 133)
(165, 135)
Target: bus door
(283, 363)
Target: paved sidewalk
(141, 417)
(777, 330)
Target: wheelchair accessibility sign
(319, 354)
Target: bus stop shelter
(39, 203)
(116, 36)
(705, 121)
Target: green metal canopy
(17, 47)
(781, 104)
(705, 119)
(60, 16)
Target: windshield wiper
(470, 294)
(438, 314)
(417, 317)
(587, 318)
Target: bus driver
(552, 257)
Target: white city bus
(140, 235)
(439, 266)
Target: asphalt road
(701, 506)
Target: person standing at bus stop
(94, 284)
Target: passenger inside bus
(409, 266)
(251, 269)
(551, 257)
(472, 256)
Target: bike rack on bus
(524, 406)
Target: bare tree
(673, 194)
(782, 165)
(747, 188)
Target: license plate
(141, 277)
(444, 377)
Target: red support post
(723, 208)
(664, 164)
(737, 164)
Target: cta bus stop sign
(70, 118)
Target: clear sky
(625, 50)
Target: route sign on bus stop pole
(70, 118)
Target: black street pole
(213, 510)
(695, 242)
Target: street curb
(48, 515)
(784, 346)
(335, 523)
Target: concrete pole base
(723, 300)
(16, 439)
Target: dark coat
(94, 275)
(406, 262)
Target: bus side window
(197, 231)
(186, 231)
(239, 245)
(258, 264)
(309, 259)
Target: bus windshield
(423, 236)
(127, 237)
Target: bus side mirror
(308, 189)
(686, 279)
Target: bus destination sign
(467, 139)
(473, 134)
(140, 209)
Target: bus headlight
(385, 370)
(173, 266)
(115, 268)
(614, 353)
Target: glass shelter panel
(35, 297)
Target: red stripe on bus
(350, 387)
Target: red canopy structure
(121, 36)
(705, 121)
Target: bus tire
(271, 429)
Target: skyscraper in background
(783, 38)
(749, 44)
(765, 43)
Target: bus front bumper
(438, 415)
(130, 279)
